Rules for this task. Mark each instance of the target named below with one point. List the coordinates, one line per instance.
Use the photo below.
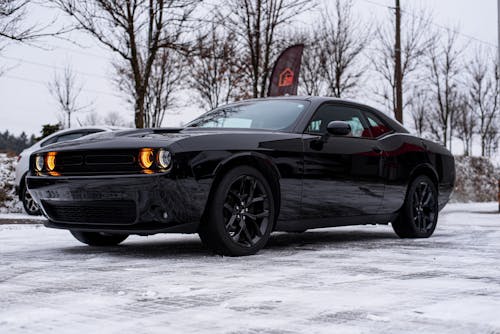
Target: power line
(436, 24)
(15, 77)
(53, 67)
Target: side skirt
(300, 225)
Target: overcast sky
(25, 103)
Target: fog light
(146, 157)
(50, 160)
(39, 162)
(164, 159)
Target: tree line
(223, 51)
(10, 143)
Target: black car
(241, 171)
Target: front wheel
(99, 238)
(240, 215)
(29, 203)
(418, 217)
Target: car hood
(161, 138)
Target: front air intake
(92, 212)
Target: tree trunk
(139, 112)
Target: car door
(342, 174)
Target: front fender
(246, 155)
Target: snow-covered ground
(20, 217)
(342, 280)
(9, 201)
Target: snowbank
(9, 201)
(476, 180)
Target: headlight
(164, 159)
(146, 157)
(39, 162)
(50, 159)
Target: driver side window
(327, 113)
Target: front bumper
(132, 204)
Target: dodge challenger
(241, 171)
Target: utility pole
(398, 75)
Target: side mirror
(338, 128)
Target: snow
(9, 201)
(337, 280)
(476, 180)
(19, 216)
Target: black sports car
(241, 171)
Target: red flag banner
(285, 76)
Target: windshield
(268, 114)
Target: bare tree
(166, 77)
(136, 31)
(257, 24)
(342, 41)
(416, 39)
(492, 140)
(66, 90)
(465, 123)
(13, 26)
(418, 105)
(12, 16)
(311, 80)
(91, 119)
(167, 73)
(484, 98)
(114, 118)
(215, 69)
(444, 68)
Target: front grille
(97, 162)
(92, 212)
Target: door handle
(376, 149)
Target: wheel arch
(427, 170)
(257, 160)
(22, 184)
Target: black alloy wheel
(246, 207)
(241, 214)
(418, 217)
(29, 203)
(99, 238)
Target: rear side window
(377, 127)
(327, 113)
(71, 136)
(49, 141)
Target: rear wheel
(29, 203)
(99, 238)
(418, 217)
(240, 215)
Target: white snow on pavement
(338, 280)
(20, 216)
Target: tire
(29, 204)
(240, 215)
(99, 238)
(419, 214)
